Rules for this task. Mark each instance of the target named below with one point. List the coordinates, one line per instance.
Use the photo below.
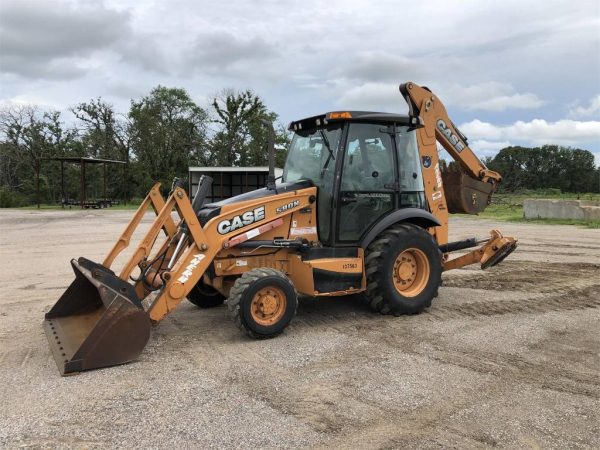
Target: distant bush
(12, 199)
(548, 193)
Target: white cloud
(591, 110)
(381, 66)
(220, 51)
(476, 129)
(19, 101)
(383, 95)
(339, 55)
(52, 40)
(536, 131)
(488, 148)
(371, 96)
(490, 96)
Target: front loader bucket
(98, 322)
(464, 194)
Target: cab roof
(352, 116)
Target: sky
(510, 72)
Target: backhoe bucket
(464, 194)
(98, 322)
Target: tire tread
(375, 266)
(237, 291)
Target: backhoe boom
(422, 102)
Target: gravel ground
(508, 357)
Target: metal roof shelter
(75, 160)
(229, 181)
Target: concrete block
(561, 209)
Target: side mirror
(271, 152)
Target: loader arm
(204, 243)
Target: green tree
(168, 134)
(549, 166)
(241, 139)
(29, 134)
(106, 134)
(580, 171)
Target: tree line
(166, 132)
(547, 167)
(160, 136)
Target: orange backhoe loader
(362, 207)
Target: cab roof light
(340, 115)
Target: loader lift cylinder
(201, 193)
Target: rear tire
(262, 303)
(404, 270)
(205, 296)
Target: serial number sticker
(372, 195)
(350, 266)
(241, 262)
(303, 231)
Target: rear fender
(419, 217)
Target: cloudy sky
(510, 72)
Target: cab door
(368, 182)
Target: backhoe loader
(362, 208)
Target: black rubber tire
(205, 296)
(240, 300)
(381, 254)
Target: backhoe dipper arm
(466, 192)
(424, 103)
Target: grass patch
(509, 207)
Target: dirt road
(508, 357)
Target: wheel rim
(268, 305)
(411, 272)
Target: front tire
(262, 303)
(404, 270)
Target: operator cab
(368, 161)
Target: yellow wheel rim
(411, 272)
(268, 306)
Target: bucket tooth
(98, 322)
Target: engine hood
(211, 210)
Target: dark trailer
(229, 181)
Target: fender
(417, 216)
